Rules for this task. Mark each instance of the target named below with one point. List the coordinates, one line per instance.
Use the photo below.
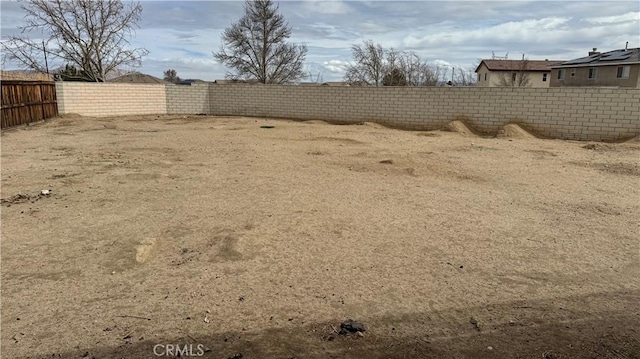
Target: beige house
(506, 73)
(617, 68)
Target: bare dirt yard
(241, 241)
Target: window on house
(573, 72)
(623, 72)
(593, 73)
(513, 77)
(485, 76)
(478, 77)
(561, 74)
(544, 77)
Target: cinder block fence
(112, 99)
(565, 113)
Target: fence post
(42, 102)
(24, 95)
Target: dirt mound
(514, 131)
(459, 127)
(373, 125)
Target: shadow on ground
(563, 327)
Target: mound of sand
(459, 127)
(514, 131)
(373, 125)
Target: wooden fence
(24, 102)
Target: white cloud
(336, 66)
(327, 7)
(441, 63)
(522, 31)
(628, 17)
(187, 68)
(183, 34)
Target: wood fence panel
(24, 102)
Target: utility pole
(46, 63)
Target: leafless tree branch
(518, 78)
(465, 77)
(89, 34)
(255, 48)
(373, 65)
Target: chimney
(594, 52)
(626, 46)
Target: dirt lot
(260, 241)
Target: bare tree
(93, 36)
(404, 66)
(464, 77)
(373, 65)
(517, 78)
(435, 76)
(255, 47)
(416, 72)
(368, 66)
(172, 76)
(395, 77)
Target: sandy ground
(261, 241)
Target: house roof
(235, 81)
(615, 57)
(193, 81)
(516, 65)
(336, 83)
(138, 78)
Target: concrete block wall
(188, 99)
(599, 114)
(110, 99)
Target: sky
(182, 35)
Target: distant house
(192, 81)
(336, 83)
(617, 68)
(495, 73)
(234, 81)
(138, 78)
